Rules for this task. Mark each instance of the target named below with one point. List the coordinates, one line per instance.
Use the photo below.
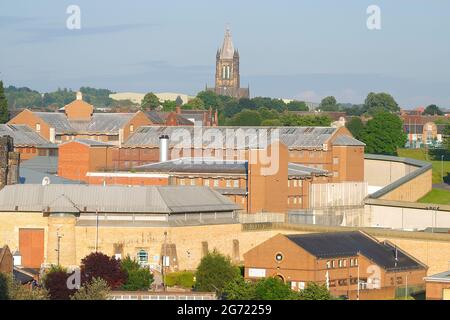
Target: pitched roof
(344, 244)
(113, 199)
(42, 164)
(227, 50)
(347, 141)
(295, 169)
(439, 277)
(292, 137)
(196, 165)
(89, 142)
(30, 176)
(22, 135)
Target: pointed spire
(227, 51)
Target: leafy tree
(246, 118)
(97, 97)
(150, 102)
(169, 105)
(239, 289)
(355, 126)
(380, 102)
(194, 104)
(314, 291)
(214, 272)
(274, 289)
(96, 289)
(59, 98)
(99, 265)
(267, 114)
(297, 106)
(354, 109)
(55, 282)
(271, 123)
(268, 103)
(138, 278)
(245, 103)
(291, 120)
(178, 101)
(433, 110)
(328, 104)
(4, 112)
(446, 139)
(10, 289)
(384, 134)
(210, 99)
(23, 98)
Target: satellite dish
(45, 181)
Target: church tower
(227, 82)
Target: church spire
(227, 51)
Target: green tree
(210, 99)
(446, 139)
(271, 123)
(314, 291)
(214, 272)
(274, 289)
(4, 112)
(433, 110)
(239, 289)
(297, 106)
(169, 105)
(194, 104)
(10, 289)
(178, 101)
(150, 102)
(380, 102)
(96, 289)
(383, 134)
(246, 118)
(293, 120)
(355, 126)
(329, 104)
(138, 278)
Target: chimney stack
(163, 148)
(79, 95)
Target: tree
(55, 282)
(169, 105)
(246, 118)
(271, 123)
(293, 120)
(314, 291)
(214, 272)
(355, 126)
(150, 102)
(99, 265)
(274, 289)
(210, 99)
(178, 101)
(433, 110)
(328, 104)
(194, 104)
(138, 278)
(380, 102)
(96, 289)
(384, 134)
(4, 112)
(297, 106)
(446, 135)
(239, 289)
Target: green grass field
(436, 196)
(420, 154)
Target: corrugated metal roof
(347, 141)
(113, 199)
(196, 165)
(56, 120)
(293, 137)
(341, 244)
(91, 143)
(30, 176)
(41, 164)
(22, 135)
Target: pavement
(443, 186)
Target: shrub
(138, 278)
(14, 290)
(99, 265)
(97, 289)
(184, 279)
(55, 281)
(274, 289)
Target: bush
(14, 290)
(184, 279)
(314, 291)
(99, 265)
(55, 281)
(274, 289)
(138, 278)
(97, 289)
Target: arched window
(224, 73)
(228, 72)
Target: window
(301, 285)
(295, 183)
(206, 182)
(142, 257)
(333, 264)
(192, 182)
(216, 183)
(279, 257)
(131, 128)
(228, 183)
(236, 183)
(335, 160)
(300, 183)
(328, 264)
(341, 264)
(295, 200)
(352, 262)
(356, 262)
(289, 183)
(38, 127)
(181, 182)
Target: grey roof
(89, 142)
(227, 50)
(22, 135)
(113, 199)
(295, 169)
(347, 141)
(160, 117)
(41, 164)
(30, 176)
(439, 277)
(196, 165)
(422, 167)
(99, 122)
(344, 244)
(293, 137)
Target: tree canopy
(355, 126)
(150, 102)
(329, 104)
(4, 112)
(380, 102)
(433, 110)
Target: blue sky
(289, 48)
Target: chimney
(163, 148)
(52, 135)
(178, 109)
(79, 95)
